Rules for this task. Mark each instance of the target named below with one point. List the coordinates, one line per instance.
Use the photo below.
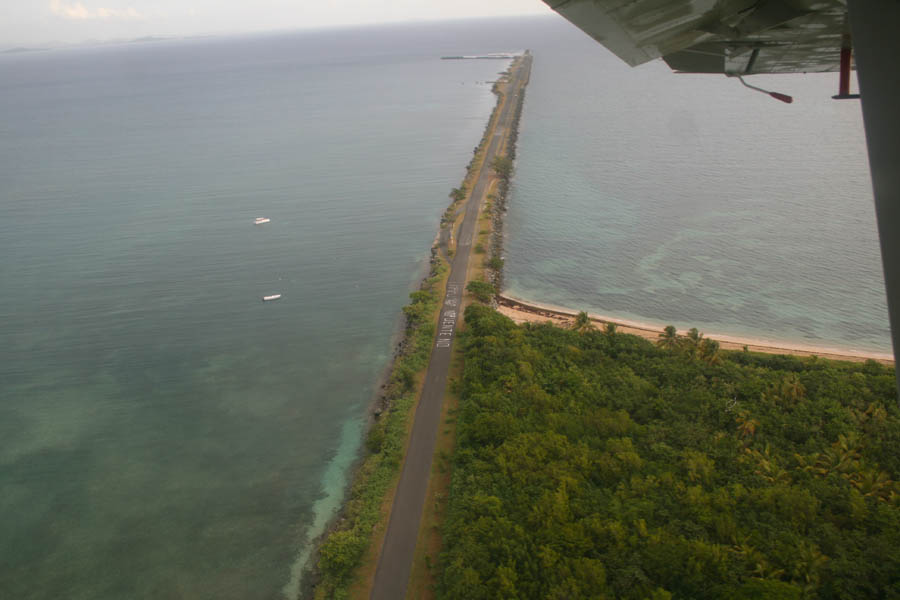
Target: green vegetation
(503, 166)
(582, 323)
(594, 464)
(668, 339)
(482, 290)
(342, 551)
(693, 345)
(449, 215)
(458, 194)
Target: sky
(48, 22)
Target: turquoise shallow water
(163, 432)
(691, 200)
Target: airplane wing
(736, 37)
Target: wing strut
(844, 85)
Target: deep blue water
(163, 432)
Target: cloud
(79, 12)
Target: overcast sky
(38, 22)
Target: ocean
(163, 432)
(166, 434)
(691, 200)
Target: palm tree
(582, 323)
(746, 426)
(872, 483)
(792, 389)
(842, 457)
(668, 339)
(691, 342)
(610, 329)
(709, 351)
(808, 563)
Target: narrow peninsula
(369, 551)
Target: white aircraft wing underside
(738, 37)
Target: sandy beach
(522, 311)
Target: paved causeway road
(395, 564)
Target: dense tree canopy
(599, 465)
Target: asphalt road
(395, 563)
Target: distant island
(497, 55)
(19, 50)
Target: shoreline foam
(526, 310)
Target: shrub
(482, 290)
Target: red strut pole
(844, 86)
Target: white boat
(261, 220)
(272, 297)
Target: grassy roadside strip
(342, 551)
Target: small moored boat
(272, 297)
(261, 220)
